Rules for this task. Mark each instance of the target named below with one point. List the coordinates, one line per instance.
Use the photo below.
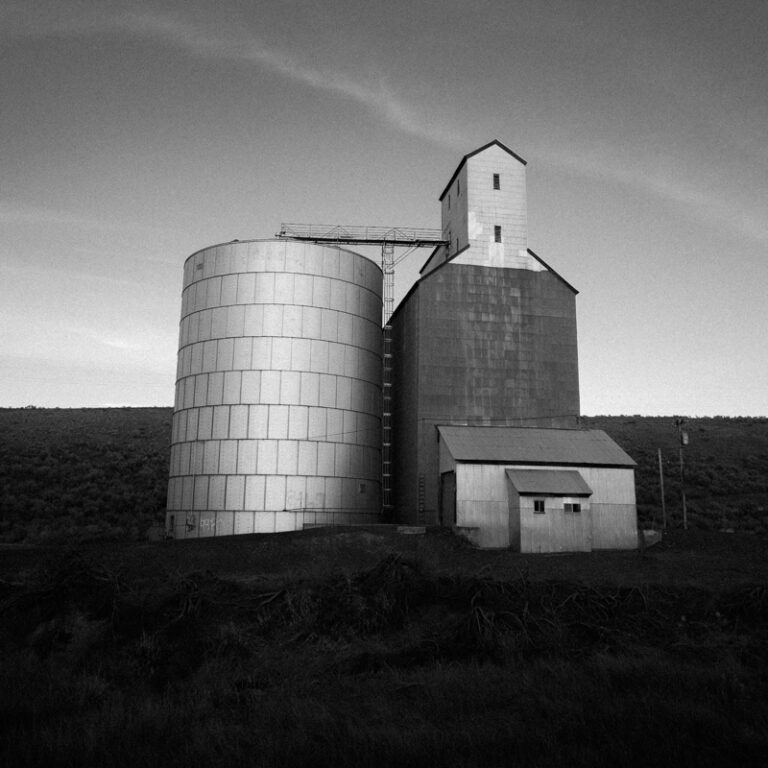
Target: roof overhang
(533, 446)
(548, 482)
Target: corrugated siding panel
(254, 378)
(608, 519)
(555, 530)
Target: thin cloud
(240, 46)
(729, 214)
(69, 272)
(15, 212)
(92, 335)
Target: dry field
(367, 647)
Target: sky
(135, 133)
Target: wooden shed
(537, 490)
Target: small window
(497, 233)
(458, 187)
(457, 244)
(496, 181)
(568, 507)
(538, 506)
(449, 202)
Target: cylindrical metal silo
(277, 416)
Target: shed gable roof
(533, 445)
(549, 482)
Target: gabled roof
(452, 258)
(555, 273)
(533, 445)
(477, 152)
(549, 482)
(444, 264)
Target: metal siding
(244, 522)
(406, 427)
(614, 511)
(608, 520)
(272, 372)
(514, 501)
(488, 207)
(477, 345)
(555, 530)
(481, 503)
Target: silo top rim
(464, 159)
(280, 240)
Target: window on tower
(497, 233)
(496, 181)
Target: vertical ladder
(388, 268)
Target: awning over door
(548, 482)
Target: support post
(683, 441)
(682, 490)
(663, 500)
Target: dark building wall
(405, 407)
(477, 345)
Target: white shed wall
(482, 504)
(556, 530)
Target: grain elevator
(298, 404)
(487, 336)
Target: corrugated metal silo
(278, 396)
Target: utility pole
(663, 500)
(683, 442)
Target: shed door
(448, 498)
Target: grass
(605, 711)
(725, 460)
(362, 647)
(96, 473)
(416, 657)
